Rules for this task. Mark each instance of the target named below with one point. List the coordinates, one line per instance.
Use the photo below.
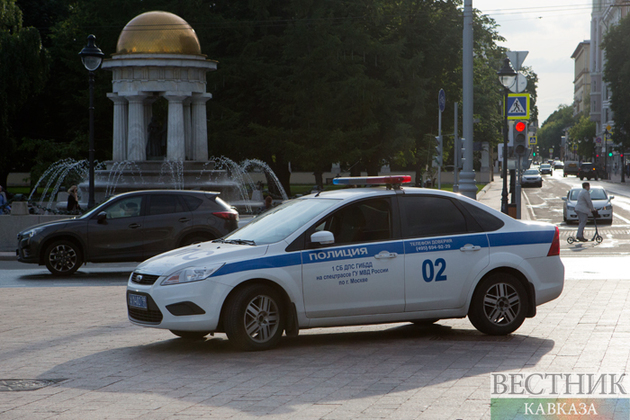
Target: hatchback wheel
(254, 318)
(499, 305)
(63, 258)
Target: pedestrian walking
(4, 208)
(73, 200)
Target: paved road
(102, 367)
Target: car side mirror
(323, 237)
(100, 218)
(611, 197)
(564, 198)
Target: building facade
(605, 14)
(582, 80)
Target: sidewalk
(490, 195)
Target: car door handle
(385, 254)
(470, 247)
(134, 226)
(184, 219)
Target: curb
(484, 190)
(8, 256)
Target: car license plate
(138, 301)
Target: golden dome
(158, 33)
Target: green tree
(23, 72)
(555, 126)
(583, 132)
(306, 82)
(617, 75)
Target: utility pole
(467, 185)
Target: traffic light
(610, 154)
(438, 151)
(520, 140)
(460, 144)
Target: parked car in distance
(132, 226)
(601, 202)
(571, 167)
(588, 170)
(531, 177)
(558, 164)
(546, 168)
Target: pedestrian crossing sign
(518, 106)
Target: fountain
(240, 184)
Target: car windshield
(596, 194)
(545, 166)
(531, 172)
(280, 222)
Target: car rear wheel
(254, 318)
(499, 305)
(190, 335)
(63, 258)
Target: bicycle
(596, 236)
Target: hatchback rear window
(192, 202)
(165, 204)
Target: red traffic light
(520, 126)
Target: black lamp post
(92, 57)
(507, 76)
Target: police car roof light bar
(373, 180)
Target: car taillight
(227, 214)
(554, 249)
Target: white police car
(349, 257)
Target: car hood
(199, 255)
(54, 223)
(596, 203)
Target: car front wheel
(499, 305)
(63, 258)
(254, 318)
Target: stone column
(119, 150)
(148, 114)
(200, 127)
(137, 130)
(175, 140)
(188, 130)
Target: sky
(551, 31)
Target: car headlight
(31, 232)
(570, 207)
(191, 274)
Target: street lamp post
(92, 57)
(507, 76)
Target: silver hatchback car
(601, 201)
